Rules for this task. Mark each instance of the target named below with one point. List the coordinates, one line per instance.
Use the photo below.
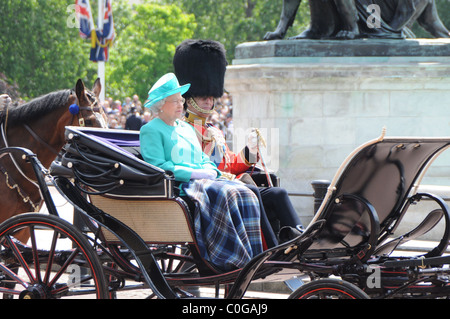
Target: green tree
(235, 21)
(39, 51)
(145, 46)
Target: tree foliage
(152, 30)
(145, 46)
(235, 21)
(38, 51)
(41, 51)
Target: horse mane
(36, 108)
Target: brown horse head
(91, 113)
(39, 126)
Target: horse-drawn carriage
(137, 231)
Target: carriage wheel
(328, 289)
(172, 259)
(57, 261)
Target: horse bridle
(75, 111)
(39, 139)
(81, 122)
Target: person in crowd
(113, 122)
(106, 106)
(202, 63)
(126, 105)
(116, 107)
(134, 120)
(147, 117)
(226, 215)
(137, 103)
(122, 117)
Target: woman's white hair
(156, 107)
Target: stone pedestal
(318, 100)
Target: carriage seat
(106, 165)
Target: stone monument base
(317, 100)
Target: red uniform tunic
(214, 145)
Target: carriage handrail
(443, 243)
(40, 172)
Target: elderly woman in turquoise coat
(226, 215)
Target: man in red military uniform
(202, 63)
(213, 140)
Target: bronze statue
(349, 19)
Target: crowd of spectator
(131, 115)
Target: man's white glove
(203, 174)
(252, 142)
(4, 100)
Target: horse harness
(74, 110)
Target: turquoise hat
(166, 86)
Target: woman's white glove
(252, 142)
(203, 174)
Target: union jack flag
(108, 22)
(84, 14)
(101, 40)
(105, 36)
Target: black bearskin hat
(202, 63)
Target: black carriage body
(373, 186)
(109, 162)
(366, 200)
(364, 205)
(137, 205)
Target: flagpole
(101, 64)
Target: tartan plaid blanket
(226, 221)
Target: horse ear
(97, 88)
(79, 89)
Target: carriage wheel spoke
(54, 246)
(13, 276)
(20, 259)
(51, 257)
(37, 264)
(64, 267)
